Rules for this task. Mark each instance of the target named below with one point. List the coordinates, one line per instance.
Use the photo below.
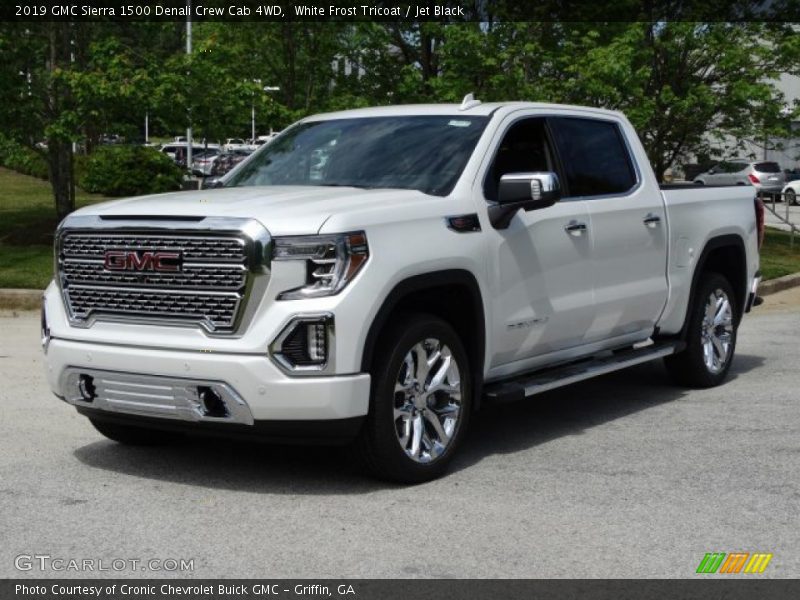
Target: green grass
(27, 224)
(778, 258)
(28, 267)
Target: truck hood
(284, 210)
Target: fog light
(304, 344)
(213, 404)
(86, 388)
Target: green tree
(66, 83)
(682, 84)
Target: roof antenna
(469, 102)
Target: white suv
(765, 176)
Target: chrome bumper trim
(751, 298)
(152, 395)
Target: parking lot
(624, 476)
(781, 208)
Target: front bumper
(150, 381)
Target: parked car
(177, 150)
(234, 144)
(791, 192)
(765, 176)
(791, 174)
(263, 139)
(227, 160)
(385, 297)
(203, 162)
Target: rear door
(627, 225)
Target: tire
(699, 182)
(131, 435)
(410, 436)
(710, 335)
(790, 196)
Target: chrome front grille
(218, 309)
(194, 248)
(208, 276)
(207, 284)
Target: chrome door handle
(575, 228)
(652, 220)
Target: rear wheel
(791, 196)
(131, 435)
(420, 404)
(710, 337)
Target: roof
(450, 109)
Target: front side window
(524, 149)
(425, 153)
(594, 156)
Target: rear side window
(594, 156)
(731, 167)
(767, 167)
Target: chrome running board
(544, 380)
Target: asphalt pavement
(786, 211)
(625, 476)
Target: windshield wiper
(354, 185)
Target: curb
(20, 299)
(778, 285)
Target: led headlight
(331, 261)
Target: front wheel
(420, 402)
(791, 197)
(710, 337)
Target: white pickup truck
(376, 275)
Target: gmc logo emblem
(132, 260)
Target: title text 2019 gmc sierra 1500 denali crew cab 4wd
(375, 275)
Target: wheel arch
(724, 254)
(452, 295)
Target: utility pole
(188, 74)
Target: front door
(541, 269)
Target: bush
(129, 171)
(22, 159)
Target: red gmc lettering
(128, 260)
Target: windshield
(425, 153)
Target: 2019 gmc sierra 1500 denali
(375, 275)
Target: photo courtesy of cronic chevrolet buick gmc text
(374, 276)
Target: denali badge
(132, 260)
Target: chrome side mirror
(528, 191)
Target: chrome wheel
(427, 400)
(717, 331)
